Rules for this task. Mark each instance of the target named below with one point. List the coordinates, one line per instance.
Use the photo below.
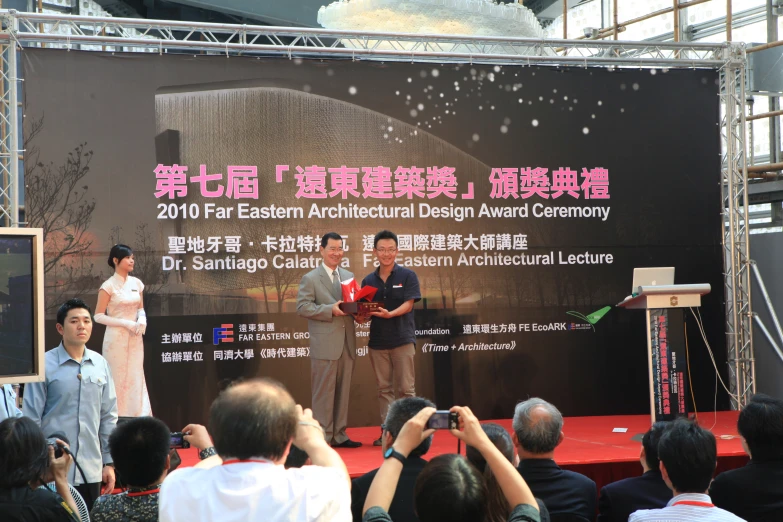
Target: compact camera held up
(178, 440)
(443, 420)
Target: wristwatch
(391, 453)
(207, 452)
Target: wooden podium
(666, 358)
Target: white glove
(141, 322)
(114, 321)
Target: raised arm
(384, 484)
(512, 484)
(310, 439)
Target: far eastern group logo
(224, 334)
(590, 319)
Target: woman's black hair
(119, 252)
(450, 488)
(497, 505)
(25, 456)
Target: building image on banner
(523, 198)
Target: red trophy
(352, 295)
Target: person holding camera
(253, 425)
(401, 508)
(449, 487)
(28, 461)
(78, 399)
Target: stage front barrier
(666, 357)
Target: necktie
(336, 284)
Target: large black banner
(523, 197)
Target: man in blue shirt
(77, 399)
(8, 409)
(392, 340)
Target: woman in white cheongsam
(121, 308)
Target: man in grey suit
(332, 341)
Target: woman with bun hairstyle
(121, 308)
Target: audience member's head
(499, 437)
(538, 428)
(761, 426)
(497, 505)
(256, 418)
(296, 458)
(688, 455)
(450, 488)
(24, 459)
(140, 450)
(650, 446)
(400, 412)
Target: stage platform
(590, 446)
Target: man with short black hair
(392, 340)
(619, 499)
(253, 425)
(688, 455)
(538, 430)
(78, 399)
(140, 450)
(401, 509)
(755, 491)
(332, 341)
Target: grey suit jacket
(314, 302)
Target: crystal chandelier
(432, 17)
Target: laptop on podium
(660, 276)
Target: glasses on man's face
(385, 251)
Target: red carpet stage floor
(590, 446)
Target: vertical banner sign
(670, 385)
(522, 198)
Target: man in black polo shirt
(392, 330)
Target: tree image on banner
(57, 202)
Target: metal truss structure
(736, 245)
(20, 30)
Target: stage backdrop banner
(522, 197)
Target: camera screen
(176, 439)
(439, 420)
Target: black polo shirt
(401, 285)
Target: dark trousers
(89, 492)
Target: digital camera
(58, 449)
(444, 420)
(178, 440)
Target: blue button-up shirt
(77, 399)
(686, 507)
(8, 407)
